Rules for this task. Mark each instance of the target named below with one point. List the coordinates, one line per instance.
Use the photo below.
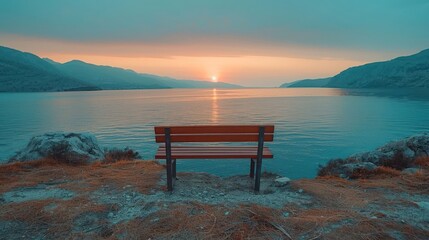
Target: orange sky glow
(267, 66)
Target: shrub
(61, 152)
(115, 155)
(399, 161)
(422, 161)
(379, 171)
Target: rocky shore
(121, 197)
(403, 155)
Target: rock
(71, 147)
(281, 181)
(423, 205)
(410, 170)
(411, 147)
(348, 169)
(401, 153)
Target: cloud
(365, 24)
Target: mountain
(410, 71)
(320, 82)
(26, 72)
(106, 77)
(402, 72)
(111, 78)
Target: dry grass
(376, 229)
(197, 221)
(54, 217)
(116, 155)
(379, 172)
(334, 214)
(79, 217)
(142, 175)
(334, 192)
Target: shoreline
(128, 199)
(121, 197)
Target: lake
(312, 125)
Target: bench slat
(214, 138)
(214, 129)
(221, 152)
(220, 149)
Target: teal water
(312, 125)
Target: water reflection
(312, 125)
(215, 107)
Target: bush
(399, 161)
(422, 161)
(61, 152)
(379, 171)
(115, 155)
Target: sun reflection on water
(215, 107)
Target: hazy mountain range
(402, 72)
(26, 72)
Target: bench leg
(252, 168)
(169, 175)
(258, 175)
(174, 169)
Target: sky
(248, 42)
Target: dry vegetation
(144, 175)
(365, 208)
(115, 155)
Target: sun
(214, 79)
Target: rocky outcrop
(67, 147)
(397, 154)
(411, 147)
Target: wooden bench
(200, 134)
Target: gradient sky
(248, 42)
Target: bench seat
(186, 142)
(212, 152)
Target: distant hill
(320, 82)
(402, 72)
(106, 77)
(111, 78)
(26, 72)
(410, 71)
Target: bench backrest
(225, 133)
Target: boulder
(349, 168)
(281, 181)
(411, 147)
(397, 154)
(68, 147)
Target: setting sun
(214, 79)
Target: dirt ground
(128, 200)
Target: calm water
(312, 125)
